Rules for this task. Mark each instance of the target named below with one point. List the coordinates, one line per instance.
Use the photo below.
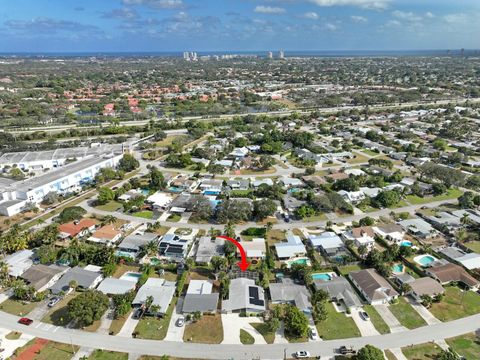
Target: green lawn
(14, 335)
(474, 245)
(58, 315)
(246, 338)
(358, 159)
(347, 269)
(117, 324)
(426, 351)
(376, 320)
(240, 193)
(107, 355)
(370, 152)
(208, 330)
(262, 328)
(389, 355)
(110, 206)
(56, 351)
(147, 214)
(466, 345)
(407, 315)
(337, 325)
(155, 328)
(456, 304)
(18, 308)
(174, 218)
(450, 194)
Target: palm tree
(229, 229)
(109, 219)
(151, 248)
(465, 220)
(268, 228)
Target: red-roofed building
(76, 228)
(109, 110)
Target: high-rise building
(186, 55)
(270, 55)
(281, 54)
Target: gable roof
(288, 291)
(40, 275)
(451, 272)
(426, 286)
(339, 289)
(244, 294)
(75, 227)
(373, 285)
(84, 278)
(161, 290)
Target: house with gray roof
(244, 295)
(373, 287)
(207, 248)
(160, 290)
(113, 286)
(287, 292)
(340, 291)
(199, 297)
(41, 277)
(85, 280)
(133, 244)
(418, 227)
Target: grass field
(246, 338)
(426, 351)
(347, 269)
(51, 351)
(269, 336)
(337, 325)
(407, 315)
(208, 330)
(14, 335)
(117, 324)
(155, 328)
(450, 194)
(147, 214)
(466, 345)
(376, 320)
(110, 206)
(456, 304)
(58, 315)
(107, 355)
(174, 218)
(474, 245)
(16, 307)
(389, 355)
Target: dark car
(25, 321)
(364, 315)
(137, 314)
(346, 351)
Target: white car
(313, 334)
(302, 354)
(180, 321)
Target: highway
(224, 351)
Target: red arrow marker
(243, 264)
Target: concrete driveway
(389, 319)
(233, 323)
(175, 333)
(40, 311)
(365, 326)
(129, 326)
(423, 312)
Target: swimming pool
(301, 261)
(131, 276)
(323, 276)
(398, 269)
(145, 192)
(211, 192)
(406, 243)
(125, 254)
(425, 260)
(175, 189)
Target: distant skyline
(237, 25)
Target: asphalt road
(224, 351)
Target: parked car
(53, 301)
(180, 321)
(286, 217)
(364, 316)
(301, 354)
(25, 321)
(346, 351)
(137, 314)
(313, 334)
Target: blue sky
(242, 25)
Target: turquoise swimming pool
(322, 276)
(300, 260)
(131, 276)
(175, 189)
(398, 268)
(406, 243)
(425, 260)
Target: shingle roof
(373, 285)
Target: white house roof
(327, 240)
(161, 290)
(160, 199)
(200, 287)
(19, 262)
(112, 286)
(470, 261)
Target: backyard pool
(398, 269)
(301, 261)
(131, 276)
(323, 276)
(155, 261)
(425, 260)
(124, 254)
(175, 189)
(211, 192)
(145, 192)
(406, 243)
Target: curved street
(223, 351)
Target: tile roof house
(41, 277)
(292, 248)
(373, 287)
(425, 286)
(76, 228)
(287, 292)
(85, 279)
(160, 290)
(448, 273)
(340, 291)
(244, 295)
(199, 297)
(107, 234)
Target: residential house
(328, 242)
(107, 235)
(76, 228)
(448, 273)
(418, 227)
(291, 203)
(199, 297)
(287, 292)
(19, 262)
(292, 248)
(425, 286)
(442, 218)
(262, 181)
(361, 236)
(160, 200)
(340, 291)
(352, 197)
(291, 182)
(174, 247)
(182, 183)
(391, 232)
(238, 184)
(41, 277)
(160, 290)
(255, 249)
(373, 287)
(85, 280)
(113, 286)
(133, 244)
(244, 295)
(208, 248)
